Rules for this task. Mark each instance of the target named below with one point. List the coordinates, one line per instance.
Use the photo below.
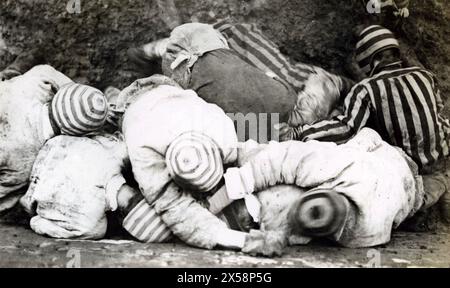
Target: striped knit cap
(146, 225)
(373, 40)
(79, 109)
(194, 161)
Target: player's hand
(267, 243)
(403, 13)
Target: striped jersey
(250, 43)
(403, 105)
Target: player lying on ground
(238, 68)
(30, 114)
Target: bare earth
(20, 247)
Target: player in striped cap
(373, 40)
(78, 109)
(195, 162)
(405, 106)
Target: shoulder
(360, 88)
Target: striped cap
(320, 213)
(194, 161)
(144, 224)
(79, 109)
(373, 40)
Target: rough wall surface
(91, 45)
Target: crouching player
(403, 104)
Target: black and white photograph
(224, 134)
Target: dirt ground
(20, 247)
(90, 47)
